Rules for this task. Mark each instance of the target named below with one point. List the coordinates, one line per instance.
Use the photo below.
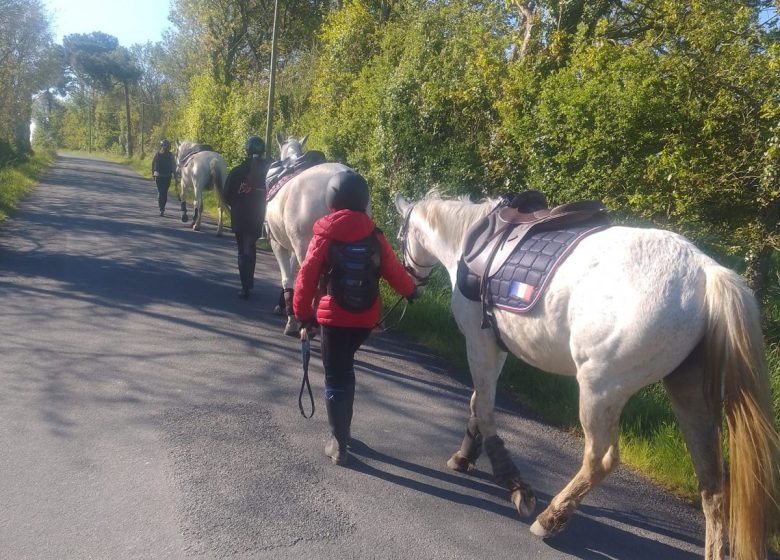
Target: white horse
(290, 217)
(627, 308)
(198, 172)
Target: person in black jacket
(163, 168)
(245, 194)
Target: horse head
(417, 259)
(290, 148)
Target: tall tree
(97, 60)
(25, 55)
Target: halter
(403, 237)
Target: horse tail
(218, 177)
(736, 372)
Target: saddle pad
(274, 188)
(290, 168)
(519, 284)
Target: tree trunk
(758, 266)
(129, 149)
(525, 22)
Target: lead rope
(305, 356)
(389, 311)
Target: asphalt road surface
(147, 412)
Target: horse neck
(446, 225)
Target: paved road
(146, 412)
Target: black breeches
(163, 184)
(247, 256)
(338, 347)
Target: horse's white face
(417, 258)
(292, 147)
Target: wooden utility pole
(269, 123)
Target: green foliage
(28, 64)
(17, 180)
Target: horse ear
(401, 204)
(303, 140)
(279, 138)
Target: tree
(97, 60)
(25, 68)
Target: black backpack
(353, 272)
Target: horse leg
(220, 205)
(198, 213)
(699, 421)
(219, 220)
(284, 259)
(281, 304)
(485, 363)
(465, 458)
(599, 416)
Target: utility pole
(269, 124)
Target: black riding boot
(243, 273)
(349, 396)
(339, 406)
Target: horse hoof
(550, 522)
(292, 328)
(196, 227)
(184, 218)
(460, 463)
(538, 530)
(524, 501)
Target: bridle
(403, 239)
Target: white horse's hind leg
(599, 415)
(219, 220)
(198, 213)
(699, 423)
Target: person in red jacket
(347, 255)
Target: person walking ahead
(349, 255)
(163, 168)
(245, 194)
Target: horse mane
(452, 216)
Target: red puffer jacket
(347, 226)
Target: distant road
(146, 412)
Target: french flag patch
(521, 290)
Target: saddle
(282, 171)
(196, 149)
(509, 256)
(491, 241)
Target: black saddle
(496, 261)
(291, 166)
(492, 240)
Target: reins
(305, 357)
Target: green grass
(17, 180)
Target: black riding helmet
(255, 146)
(347, 190)
(165, 145)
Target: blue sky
(130, 21)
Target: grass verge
(17, 180)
